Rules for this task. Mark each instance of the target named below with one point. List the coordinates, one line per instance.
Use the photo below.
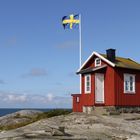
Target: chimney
(111, 54)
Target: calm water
(5, 111)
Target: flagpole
(80, 48)
(80, 42)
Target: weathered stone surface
(79, 126)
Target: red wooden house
(107, 80)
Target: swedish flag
(71, 21)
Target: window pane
(126, 85)
(131, 83)
(88, 83)
(88, 89)
(98, 61)
(131, 88)
(87, 78)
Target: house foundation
(111, 109)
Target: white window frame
(87, 91)
(126, 77)
(97, 59)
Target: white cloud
(17, 98)
(30, 100)
(50, 97)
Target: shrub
(57, 112)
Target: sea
(5, 111)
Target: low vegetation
(25, 120)
(132, 119)
(52, 113)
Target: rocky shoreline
(74, 126)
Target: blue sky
(38, 58)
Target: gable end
(98, 55)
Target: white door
(99, 88)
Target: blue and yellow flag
(71, 21)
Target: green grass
(31, 119)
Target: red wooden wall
(122, 99)
(109, 87)
(77, 107)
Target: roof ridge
(117, 56)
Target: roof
(76, 94)
(88, 70)
(119, 62)
(125, 62)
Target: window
(129, 83)
(97, 62)
(87, 83)
(77, 99)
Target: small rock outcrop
(17, 118)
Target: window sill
(97, 65)
(130, 93)
(87, 92)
